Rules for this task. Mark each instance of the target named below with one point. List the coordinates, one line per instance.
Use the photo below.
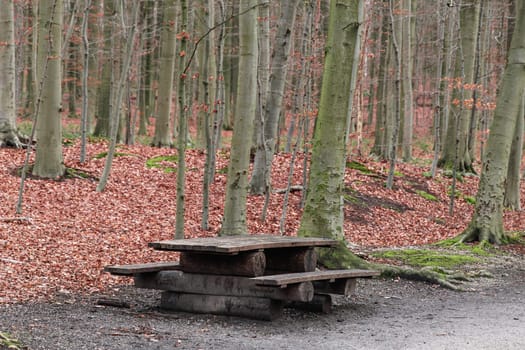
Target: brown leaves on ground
(68, 232)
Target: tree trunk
(278, 69)
(456, 153)
(512, 185)
(407, 68)
(237, 183)
(259, 183)
(119, 92)
(487, 222)
(104, 93)
(183, 123)
(163, 135)
(323, 211)
(8, 132)
(48, 160)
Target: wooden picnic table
(251, 275)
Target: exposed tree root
(340, 257)
(474, 233)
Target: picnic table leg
(290, 260)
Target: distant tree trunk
(84, 119)
(237, 183)
(407, 71)
(147, 99)
(93, 64)
(163, 134)
(48, 161)
(396, 119)
(258, 182)
(323, 211)
(119, 92)
(379, 149)
(278, 69)
(456, 143)
(104, 92)
(487, 221)
(231, 66)
(512, 185)
(8, 131)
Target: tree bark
(455, 151)
(163, 135)
(237, 183)
(323, 211)
(278, 70)
(487, 221)
(48, 160)
(8, 132)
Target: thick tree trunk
(237, 184)
(487, 222)
(323, 211)
(48, 160)
(8, 132)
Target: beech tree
(8, 131)
(274, 98)
(237, 184)
(163, 134)
(455, 151)
(487, 221)
(48, 160)
(323, 211)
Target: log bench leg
(251, 307)
(343, 286)
(321, 303)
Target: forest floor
(53, 253)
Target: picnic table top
(240, 243)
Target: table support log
(256, 308)
(249, 264)
(290, 260)
(178, 281)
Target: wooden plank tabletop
(241, 243)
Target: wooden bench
(134, 269)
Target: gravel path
(385, 314)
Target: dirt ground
(384, 314)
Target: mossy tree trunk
(237, 184)
(323, 211)
(487, 222)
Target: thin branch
(212, 29)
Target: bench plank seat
(133, 269)
(290, 278)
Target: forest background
(167, 73)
